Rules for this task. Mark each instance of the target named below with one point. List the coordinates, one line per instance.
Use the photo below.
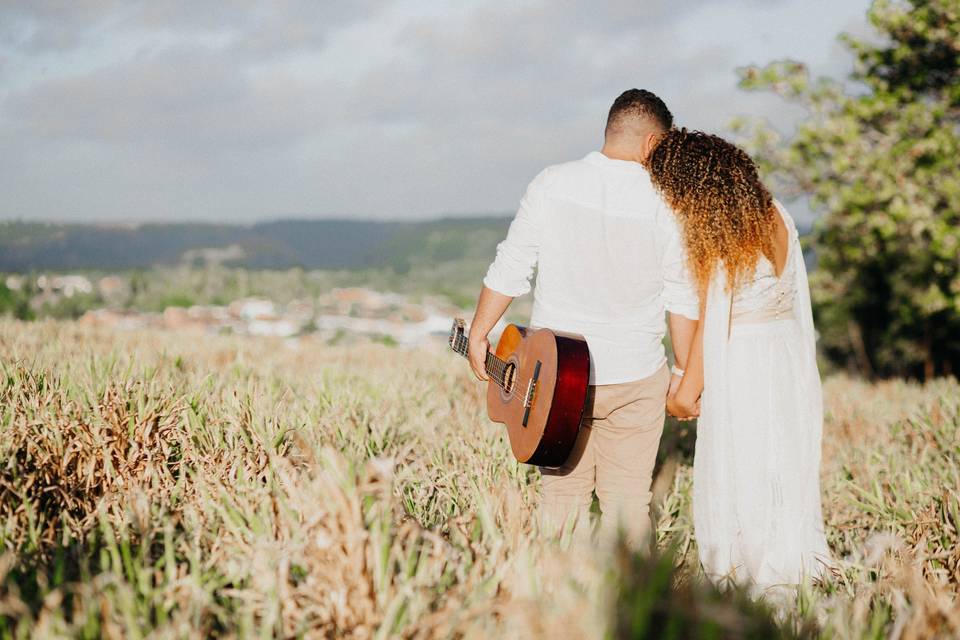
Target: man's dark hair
(642, 103)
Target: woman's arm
(685, 403)
(682, 331)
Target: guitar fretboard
(496, 368)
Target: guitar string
(463, 343)
(498, 366)
(493, 364)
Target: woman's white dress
(756, 487)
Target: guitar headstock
(457, 338)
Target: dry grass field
(171, 485)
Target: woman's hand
(683, 406)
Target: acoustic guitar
(537, 388)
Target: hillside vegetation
(174, 485)
(310, 244)
(152, 267)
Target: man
(609, 262)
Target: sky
(187, 110)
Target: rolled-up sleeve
(517, 255)
(679, 291)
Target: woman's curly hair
(725, 212)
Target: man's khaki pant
(614, 455)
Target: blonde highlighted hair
(726, 214)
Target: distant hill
(311, 244)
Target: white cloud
(189, 110)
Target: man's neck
(619, 153)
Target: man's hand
(490, 308)
(477, 350)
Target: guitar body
(543, 402)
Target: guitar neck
(495, 367)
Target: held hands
(680, 404)
(683, 410)
(477, 352)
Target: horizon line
(489, 215)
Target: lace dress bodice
(766, 298)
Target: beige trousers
(614, 455)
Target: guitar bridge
(531, 390)
(531, 393)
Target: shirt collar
(600, 160)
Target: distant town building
(68, 285)
(253, 308)
(355, 312)
(111, 285)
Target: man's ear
(653, 139)
(649, 142)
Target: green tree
(879, 158)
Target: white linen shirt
(609, 262)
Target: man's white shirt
(609, 261)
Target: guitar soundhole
(510, 377)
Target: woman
(756, 488)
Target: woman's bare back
(781, 243)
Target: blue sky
(128, 110)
